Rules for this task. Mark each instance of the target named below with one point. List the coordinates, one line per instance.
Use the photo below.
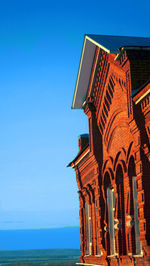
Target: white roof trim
(83, 77)
(97, 44)
(142, 97)
(77, 82)
(87, 57)
(84, 72)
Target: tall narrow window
(111, 209)
(137, 233)
(121, 212)
(98, 251)
(136, 245)
(88, 229)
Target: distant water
(59, 238)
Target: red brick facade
(113, 164)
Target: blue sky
(40, 48)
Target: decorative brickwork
(113, 169)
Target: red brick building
(113, 164)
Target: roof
(112, 44)
(78, 156)
(108, 43)
(83, 136)
(142, 92)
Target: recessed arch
(91, 192)
(86, 195)
(108, 172)
(131, 166)
(116, 159)
(103, 169)
(120, 161)
(124, 165)
(108, 164)
(112, 173)
(124, 151)
(129, 150)
(107, 181)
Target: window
(138, 244)
(98, 251)
(88, 228)
(111, 209)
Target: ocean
(58, 238)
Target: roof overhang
(79, 157)
(142, 92)
(86, 63)
(111, 44)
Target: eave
(111, 45)
(84, 72)
(85, 66)
(142, 92)
(80, 156)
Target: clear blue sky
(40, 48)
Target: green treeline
(47, 257)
